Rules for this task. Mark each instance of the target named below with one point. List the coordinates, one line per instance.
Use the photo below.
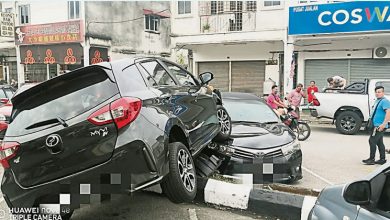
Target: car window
(386, 85)
(131, 79)
(64, 98)
(181, 75)
(9, 93)
(250, 110)
(2, 94)
(158, 73)
(149, 79)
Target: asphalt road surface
(332, 158)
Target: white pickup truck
(349, 108)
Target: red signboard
(54, 33)
(51, 54)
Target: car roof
(240, 95)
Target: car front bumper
(281, 169)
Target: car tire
(348, 122)
(180, 184)
(225, 124)
(307, 129)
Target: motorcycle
(299, 127)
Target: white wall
(45, 11)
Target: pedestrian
(295, 97)
(380, 117)
(336, 82)
(274, 100)
(14, 83)
(310, 92)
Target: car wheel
(303, 131)
(348, 122)
(225, 124)
(180, 184)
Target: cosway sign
(361, 16)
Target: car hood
(261, 136)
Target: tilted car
(105, 129)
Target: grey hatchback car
(367, 199)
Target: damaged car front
(261, 145)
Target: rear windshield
(63, 98)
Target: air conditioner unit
(381, 52)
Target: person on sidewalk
(380, 118)
(295, 97)
(310, 92)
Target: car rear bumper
(127, 171)
(268, 170)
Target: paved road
(333, 158)
(147, 205)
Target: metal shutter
(370, 68)
(220, 71)
(320, 70)
(248, 76)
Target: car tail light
(122, 111)
(8, 151)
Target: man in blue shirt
(380, 118)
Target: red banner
(54, 33)
(50, 54)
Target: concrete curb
(271, 203)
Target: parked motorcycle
(299, 127)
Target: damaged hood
(260, 136)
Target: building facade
(55, 36)
(245, 43)
(233, 40)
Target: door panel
(248, 76)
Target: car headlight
(2, 117)
(291, 148)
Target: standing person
(380, 117)
(274, 100)
(337, 82)
(295, 97)
(310, 92)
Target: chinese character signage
(7, 24)
(360, 16)
(63, 32)
(52, 54)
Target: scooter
(299, 127)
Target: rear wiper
(48, 122)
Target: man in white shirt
(337, 82)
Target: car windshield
(250, 111)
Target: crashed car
(261, 145)
(366, 199)
(106, 129)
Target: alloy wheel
(224, 121)
(348, 123)
(186, 170)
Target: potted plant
(206, 28)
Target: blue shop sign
(361, 16)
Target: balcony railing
(228, 22)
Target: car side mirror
(4, 100)
(206, 77)
(358, 193)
